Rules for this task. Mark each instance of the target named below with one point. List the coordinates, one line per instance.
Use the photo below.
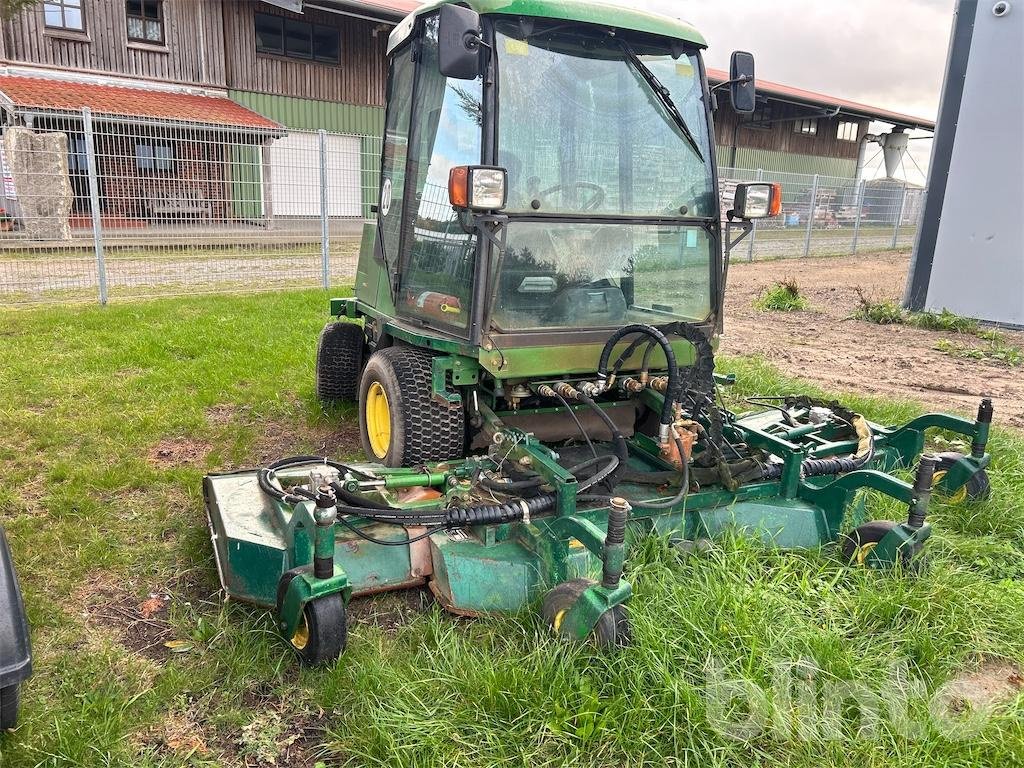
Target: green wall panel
(771, 161)
(312, 115)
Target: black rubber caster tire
(977, 489)
(9, 701)
(858, 543)
(401, 424)
(339, 361)
(612, 629)
(323, 630)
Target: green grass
(783, 296)
(88, 394)
(995, 350)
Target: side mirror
(742, 85)
(757, 201)
(458, 42)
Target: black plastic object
(15, 646)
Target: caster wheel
(978, 488)
(612, 630)
(857, 545)
(9, 698)
(687, 548)
(322, 631)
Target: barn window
(848, 131)
(295, 39)
(806, 127)
(145, 21)
(150, 156)
(64, 14)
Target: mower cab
(531, 347)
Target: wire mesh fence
(829, 215)
(101, 208)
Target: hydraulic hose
(619, 445)
(835, 466)
(684, 485)
(672, 392)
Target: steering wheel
(590, 205)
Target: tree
(11, 8)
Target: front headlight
(478, 187)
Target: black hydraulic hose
(619, 445)
(684, 485)
(579, 424)
(673, 392)
(536, 482)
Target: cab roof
(585, 11)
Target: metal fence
(100, 208)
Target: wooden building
(305, 65)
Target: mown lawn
(110, 417)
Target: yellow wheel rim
(864, 551)
(957, 498)
(557, 623)
(378, 420)
(301, 637)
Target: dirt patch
(989, 683)
(825, 346)
(390, 611)
(278, 438)
(178, 452)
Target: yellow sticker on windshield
(517, 47)
(684, 69)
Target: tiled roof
(68, 96)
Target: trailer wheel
(339, 361)
(9, 698)
(978, 488)
(857, 545)
(612, 629)
(322, 632)
(401, 424)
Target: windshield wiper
(664, 95)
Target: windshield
(582, 131)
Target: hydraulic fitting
(984, 424)
(660, 384)
(592, 390)
(631, 386)
(545, 390)
(615, 543)
(325, 514)
(922, 491)
(567, 391)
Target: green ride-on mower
(531, 347)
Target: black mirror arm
(742, 80)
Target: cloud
(884, 53)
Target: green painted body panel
(543, 362)
(604, 13)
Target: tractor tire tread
(339, 362)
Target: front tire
(857, 545)
(401, 424)
(977, 489)
(322, 633)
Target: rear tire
(401, 424)
(339, 361)
(9, 700)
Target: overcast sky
(886, 53)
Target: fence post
(753, 232)
(810, 216)
(899, 217)
(325, 221)
(94, 204)
(861, 188)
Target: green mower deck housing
(531, 348)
